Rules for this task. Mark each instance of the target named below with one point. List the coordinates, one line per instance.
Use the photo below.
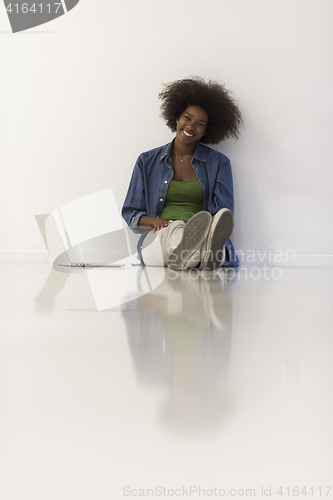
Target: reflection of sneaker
(219, 304)
(220, 231)
(195, 232)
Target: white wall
(78, 104)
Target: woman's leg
(187, 254)
(213, 251)
(157, 247)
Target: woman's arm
(135, 210)
(223, 195)
(156, 223)
(134, 205)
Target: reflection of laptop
(102, 251)
(84, 265)
(86, 233)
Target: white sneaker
(195, 232)
(220, 231)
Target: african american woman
(183, 191)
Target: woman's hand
(159, 223)
(156, 223)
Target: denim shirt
(151, 177)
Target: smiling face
(192, 124)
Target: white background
(79, 103)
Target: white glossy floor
(223, 384)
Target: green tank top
(183, 200)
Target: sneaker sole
(220, 232)
(195, 231)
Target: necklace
(184, 158)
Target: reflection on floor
(179, 337)
(115, 382)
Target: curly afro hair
(225, 118)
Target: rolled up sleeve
(223, 196)
(135, 202)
